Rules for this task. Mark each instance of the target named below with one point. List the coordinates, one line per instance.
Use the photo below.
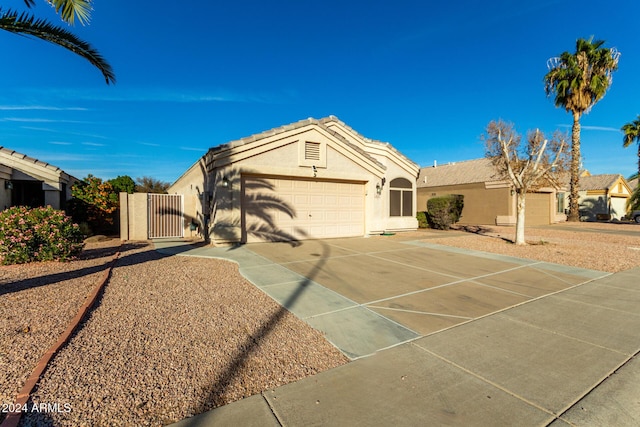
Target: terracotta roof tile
(294, 126)
(466, 172)
(597, 182)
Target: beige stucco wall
(281, 154)
(481, 205)
(197, 196)
(133, 216)
(338, 161)
(5, 195)
(281, 161)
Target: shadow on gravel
(107, 253)
(37, 414)
(253, 342)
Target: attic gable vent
(312, 151)
(312, 154)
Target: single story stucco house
(488, 200)
(603, 196)
(25, 181)
(316, 178)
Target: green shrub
(39, 234)
(422, 220)
(444, 210)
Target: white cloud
(85, 135)
(39, 107)
(121, 94)
(60, 143)
(36, 120)
(202, 150)
(93, 144)
(600, 128)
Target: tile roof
(19, 161)
(598, 182)
(297, 125)
(365, 139)
(466, 172)
(23, 157)
(633, 183)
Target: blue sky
(425, 76)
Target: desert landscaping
(174, 336)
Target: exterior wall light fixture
(379, 186)
(8, 185)
(225, 182)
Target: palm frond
(631, 132)
(29, 26)
(69, 10)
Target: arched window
(400, 197)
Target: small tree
(94, 202)
(146, 184)
(538, 163)
(123, 184)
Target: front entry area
(282, 209)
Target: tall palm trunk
(574, 212)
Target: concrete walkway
(444, 336)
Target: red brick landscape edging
(13, 418)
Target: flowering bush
(39, 234)
(95, 203)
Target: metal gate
(165, 215)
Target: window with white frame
(400, 197)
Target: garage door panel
(322, 209)
(537, 209)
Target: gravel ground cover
(170, 337)
(603, 251)
(37, 301)
(175, 336)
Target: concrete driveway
(367, 294)
(453, 337)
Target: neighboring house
(487, 199)
(603, 196)
(310, 179)
(29, 182)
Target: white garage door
(618, 207)
(277, 209)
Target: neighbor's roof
(7, 153)
(16, 159)
(598, 182)
(466, 172)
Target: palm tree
(631, 134)
(69, 10)
(578, 81)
